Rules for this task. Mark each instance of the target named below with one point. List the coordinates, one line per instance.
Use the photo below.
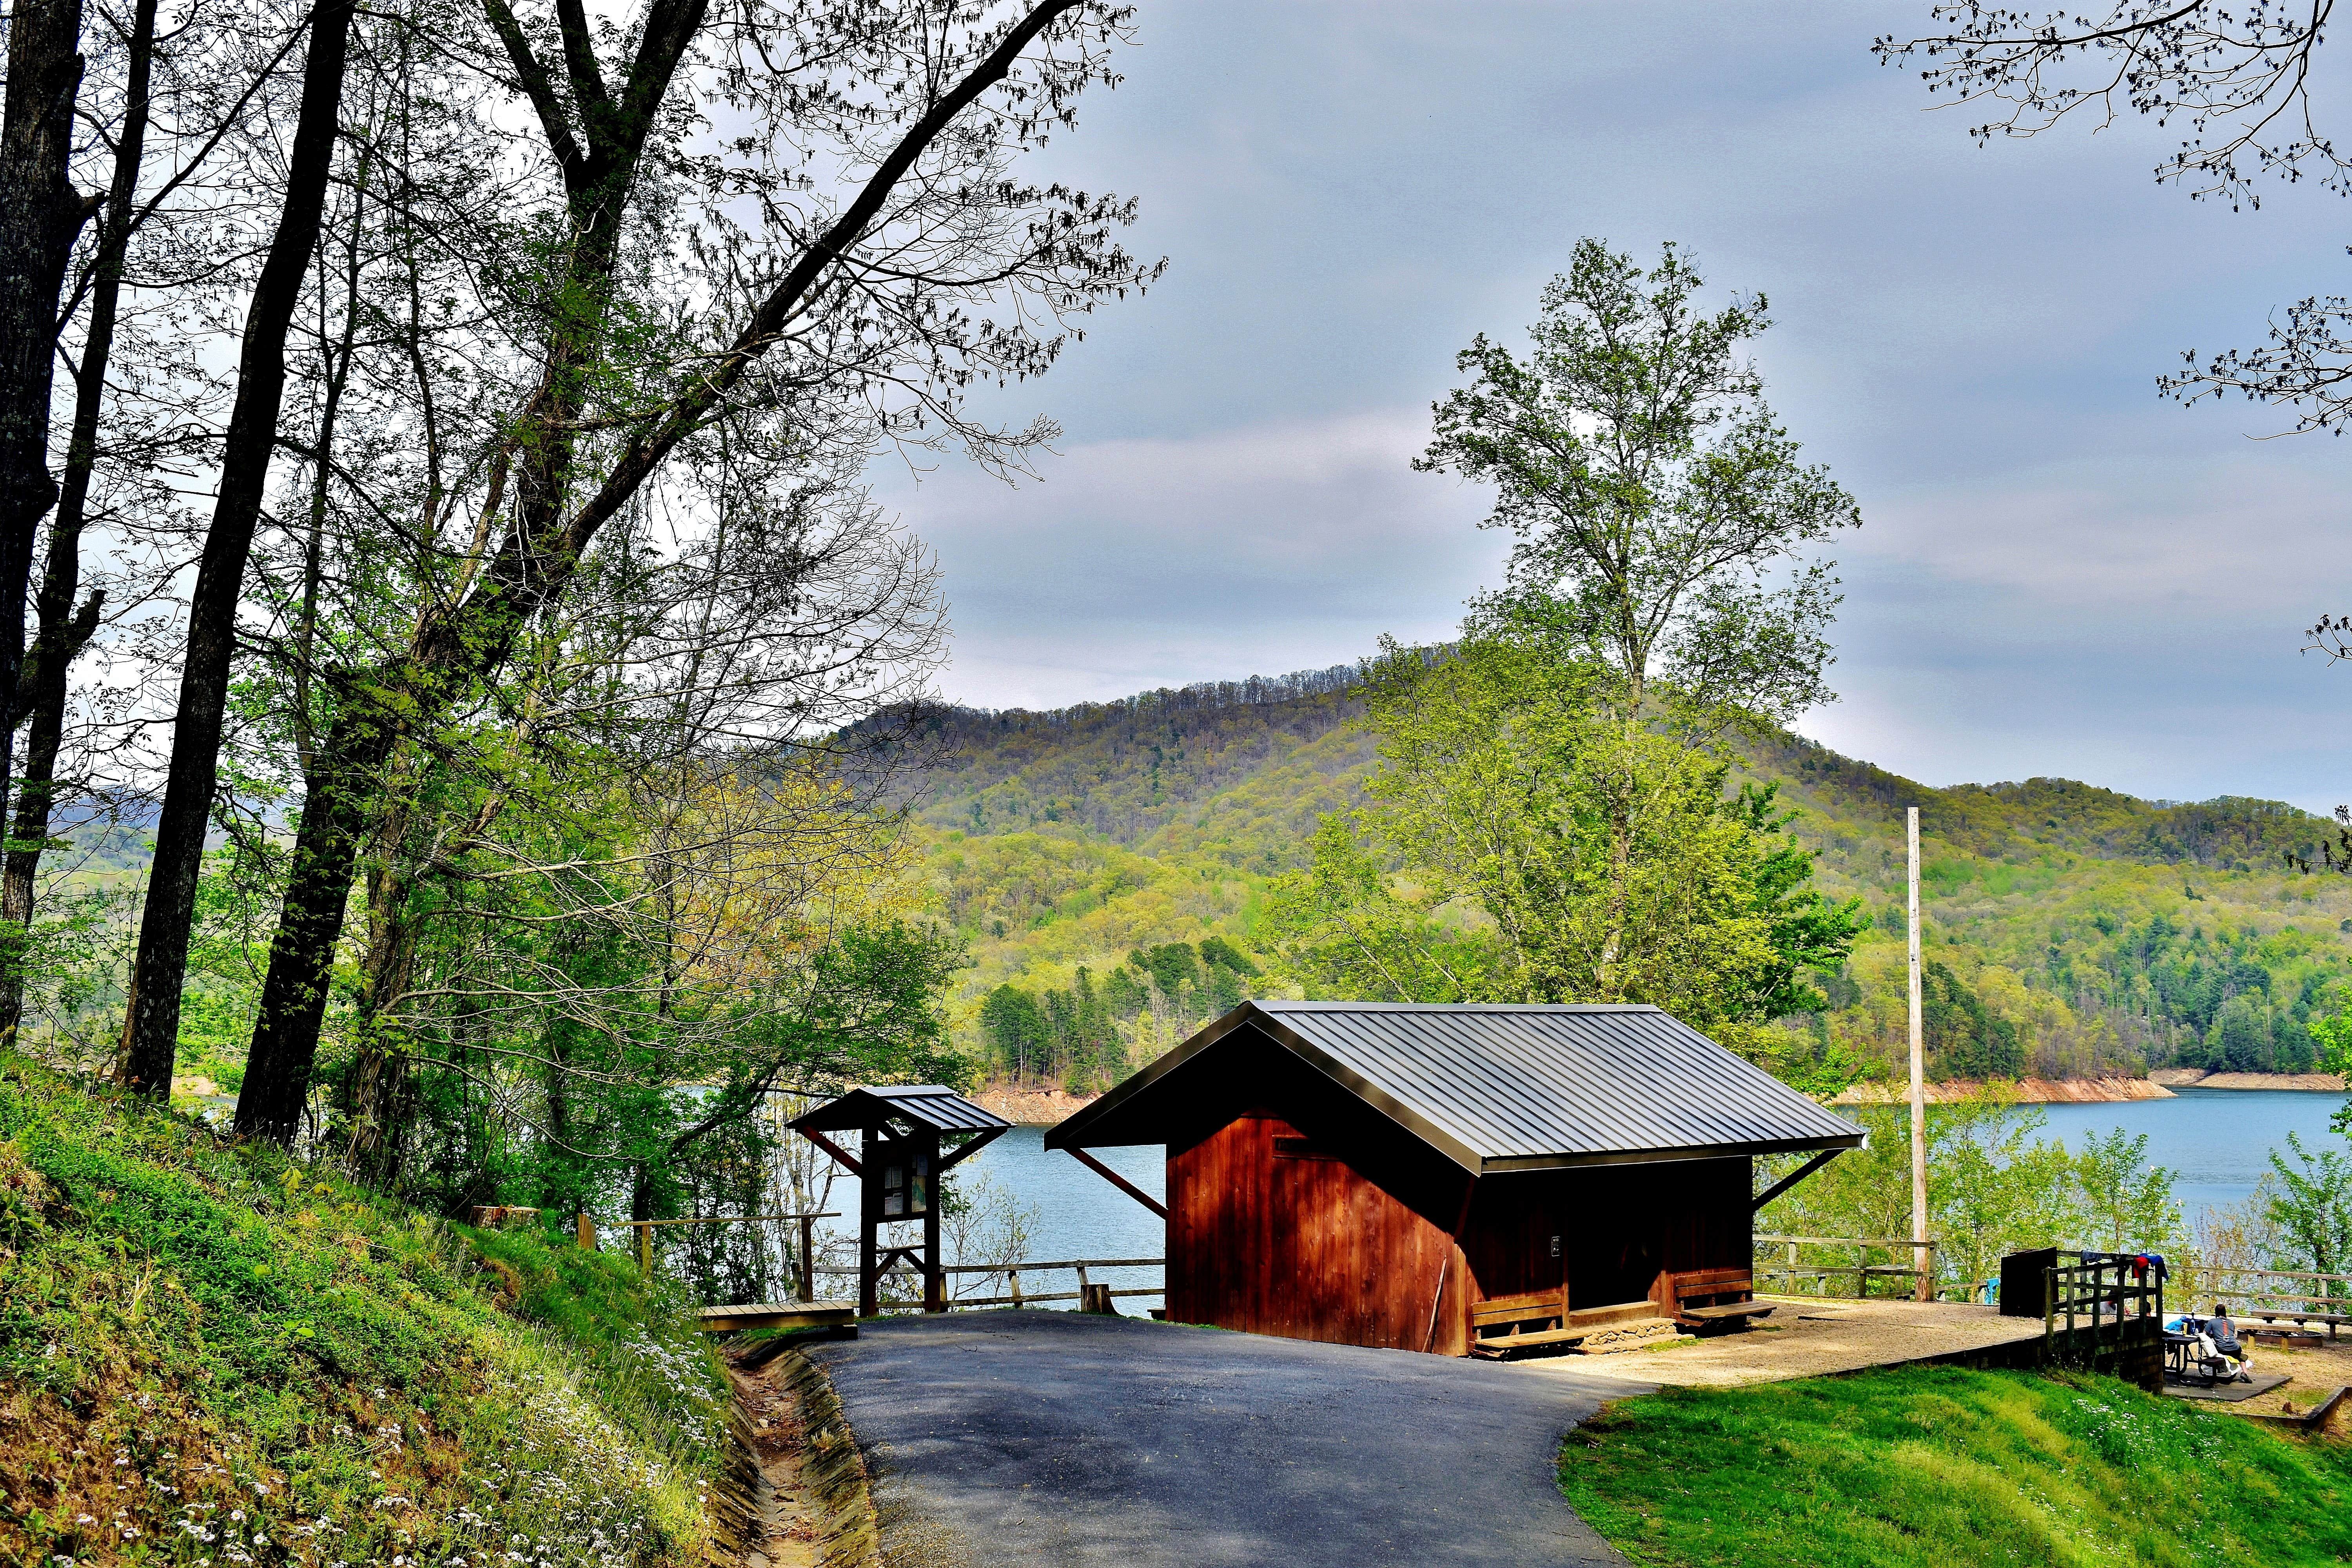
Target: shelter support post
(1121, 1183)
(935, 1281)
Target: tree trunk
(39, 218)
(294, 996)
(457, 646)
(63, 633)
(378, 1097)
(151, 1022)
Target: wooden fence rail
(2253, 1294)
(1792, 1267)
(1012, 1272)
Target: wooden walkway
(841, 1317)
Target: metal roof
(1499, 1088)
(931, 1105)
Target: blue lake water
(1075, 1214)
(2217, 1142)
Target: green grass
(1954, 1469)
(208, 1353)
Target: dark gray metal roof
(1513, 1088)
(929, 1104)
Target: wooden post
(1013, 1276)
(645, 1249)
(935, 1283)
(870, 1220)
(1918, 1086)
(808, 1258)
(587, 1231)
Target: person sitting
(2224, 1331)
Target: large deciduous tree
(1521, 842)
(1550, 821)
(41, 215)
(1656, 501)
(743, 245)
(150, 1028)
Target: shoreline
(1033, 1107)
(2027, 1091)
(2164, 1083)
(2198, 1078)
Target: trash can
(2023, 1281)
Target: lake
(2218, 1142)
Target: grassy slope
(1060, 840)
(1937, 1467)
(209, 1353)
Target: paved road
(1053, 1438)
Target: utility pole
(1921, 1258)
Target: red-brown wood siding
(1308, 1248)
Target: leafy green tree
(1545, 850)
(1659, 507)
(1968, 1041)
(2313, 1204)
(1019, 1035)
(2241, 1040)
(2127, 1204)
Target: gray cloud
(2062, 573)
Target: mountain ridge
(2105, 932)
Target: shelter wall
(1341, 1234)
(1621, 1229)
(1272, 1233)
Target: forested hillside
(2072, 930)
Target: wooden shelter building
(1450, 1178)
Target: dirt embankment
(1033, 1107)
(2197, 1078)
(2029, 1092)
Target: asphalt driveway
(1055, 1438)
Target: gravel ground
(1805, 1336)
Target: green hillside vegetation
(210, 1353)
(1934, 1466)
(2073, 930)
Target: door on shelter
(1618, 1247)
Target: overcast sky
(2060, 572)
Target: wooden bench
(1502, 1324)
(2334, 1321)
(1704, 1298)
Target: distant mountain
(2081, 929)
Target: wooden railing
(2099, 1292)
(1792, 1266)
(644, 1229)
(2257, 1293)
(1011, 1272)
